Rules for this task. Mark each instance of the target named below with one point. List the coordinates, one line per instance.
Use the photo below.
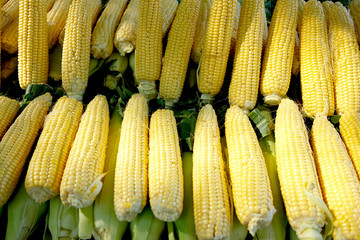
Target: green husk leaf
(171, 232)
(86, 221)
(117, 63)
(1, 211)
(239, 231)
(292, 234)
(95, 65)
(146, 226)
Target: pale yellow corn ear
(17, 142)
(131, 172)
(244, 85)
(8, 111)
(316, 78)
(9, 37)
(46, 167)
(3, 3)
(350, 133)
(8, 67)
(178, 49)
(32, 42)
(277, 65)
(216, 48)
(102, 41)
(300, 14)
(298, 179)
(235, 28)
(200, 32)
(210, 193)
(296, 57)
(166, 180)
(338, 179)
(9, 12)
(81, 181)
(56, 19)
(345, 57)
(250, 182)
(354, 7)
(76, 46)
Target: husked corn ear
(81, 181)
(300, 14)
(8, 111)
(166, 180)
(46, 167)
(9, 37)
(56, 19)
(9, 12)
(200, 31)
(8, 67)
(345, 57)
(131, 172)
(235, 27)
(76, 47)
(33, 50)
(250, 183)
(299, 183)
(350, 133)
(315, 62)
(244, 85)
(339, 182)
(354, 7)
(178, 48)
(296, 57)
(210, 193)
(277, 65)
(216, 48)
(17, 142)
(102, 42)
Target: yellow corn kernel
(300, 14)
(210, 193)
(131, 172)
(244, 85)
(166, 180)
(81, 181)
(9, 109)
(9, 37)
(17, 142)
(102, 41)
(277, 64)
(339, 182)
(354, 7)
(56, 19)
(250, 182)
(177, 54)
(9, 12)
(48, 161)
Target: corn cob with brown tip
(250, 183)
(17, 142)
(277, 65)
(130, 189)
(81, 181)
(354, 7)
(216, 48)
(338, 179)
(48, 161)
(9, 109)
(244, 85)
(210, 193)
(178, 49)
(299, 183)
(76, 47)
(166, 180)
(102, 41)
(9, 12)
(315, 62)
(56, 19)
(235, 28)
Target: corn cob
(345, 57)
(76, 47)
(81, 181)
(166, 180)
(350, 133)
(315, 62)
(210, 194)
(299, 184)
(178, 50)
(339, 182)
(354, 7)
(16, 144)
(276, 68)
(9, 109)
(244, 83)
(300, 14)
(9, 12)
(216, 48)
(56, 19)
(251, 190)
(125, 36)
(48, 161)
(102, 41)
(200, 31)
(131, 172)
(235, 28)
(8, 67)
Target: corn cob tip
(147, 89)
(76, 95)
(310, 234)
(272, 99)
(40, 193)
(258, 222)
(206, 98)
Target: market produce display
(180, 119)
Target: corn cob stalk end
(272, 99)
